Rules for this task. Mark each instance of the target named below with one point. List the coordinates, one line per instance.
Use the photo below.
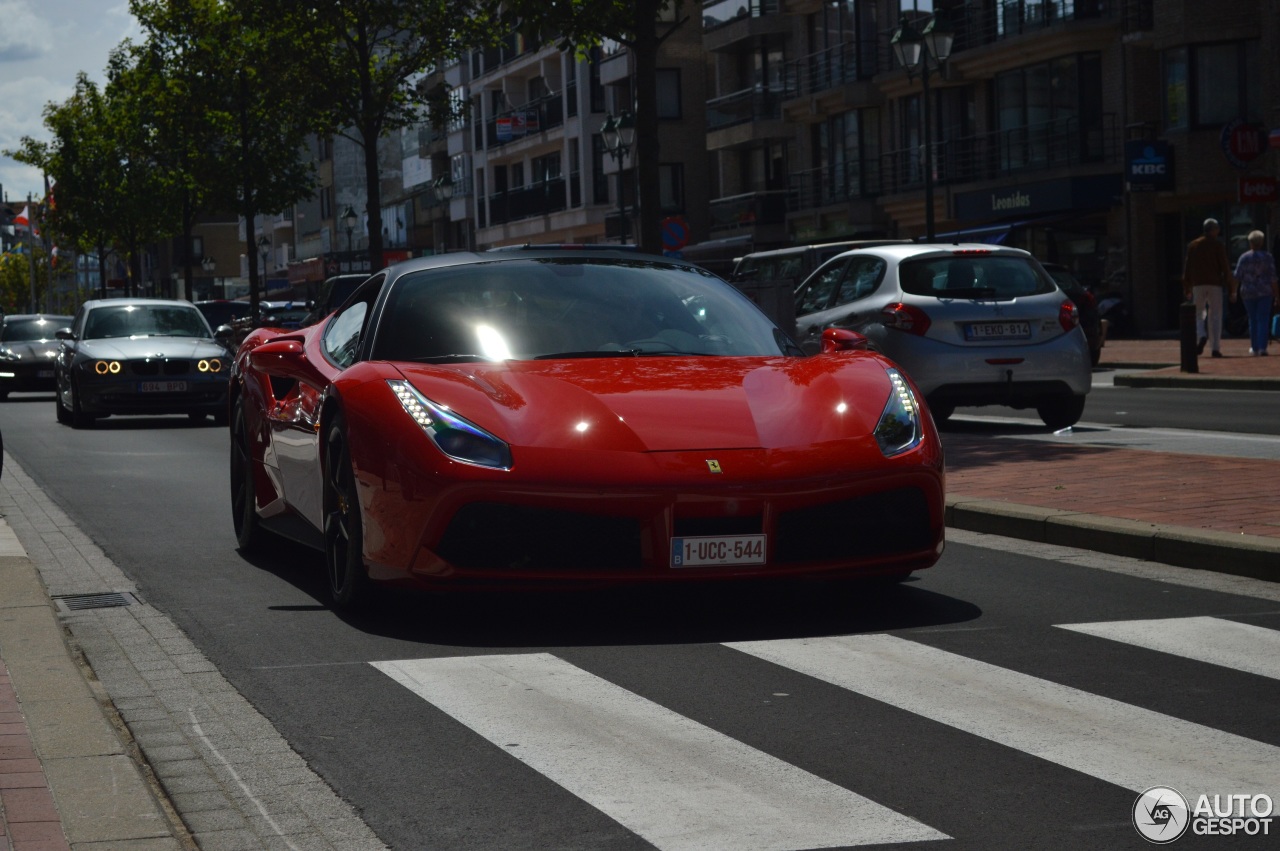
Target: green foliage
(15, 281)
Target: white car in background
(972, 324)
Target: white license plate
(997, 331)
(717, 550)
(44, 373)
(162, 387)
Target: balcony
(728, 23)
(830, 185)
(827, 69)
(745, 106)
(1036, 147)
(538, 199)
(533, 118)
(749, 210)
(1012, 18)
(717, 13)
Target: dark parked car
(219, 312)
(27, 351)
(333, 292)
(1090, 318)
(139, 356)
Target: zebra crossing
(682, 785)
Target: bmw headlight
(9, 354)
(454, 436)
(899, 428)
(104, 367)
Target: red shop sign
(1259, 190)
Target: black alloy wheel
(343, 534)
(244, 514)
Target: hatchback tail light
(905, 317)
(1068, 315)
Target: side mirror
(64, 334)
(280, 357)
(842, 340)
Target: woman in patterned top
(1256, 274)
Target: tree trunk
(373, 196)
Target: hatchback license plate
(997, 331)
(717, 550)
(162, 387)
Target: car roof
(844, 245)
(535, 252)
(136, 302)
(941, 249)
(35, 316)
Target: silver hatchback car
(972, 324)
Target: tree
(580, 24)
(370, 54)
(233, 107)
(16, 284)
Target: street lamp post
(349, 219)
(208, 264)
(619, 133)
(264, 248)
(914, 49)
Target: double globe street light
(619, 135)
(916, 49)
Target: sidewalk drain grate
(79, 602)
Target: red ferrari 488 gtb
(561, 415)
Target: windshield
(144, 320)
(973, 276)
(547, 308)
(32, 330)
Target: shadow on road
(693, 613)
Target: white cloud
(23, 34)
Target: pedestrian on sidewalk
(1258, 290)
(1206, 277)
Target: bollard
(1187, 329)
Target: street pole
(929, 230)
(31, 250)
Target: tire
(942, 411)
(343, 533)
(244, 514)
(64, 416)
(1061, 411)
(79, 419)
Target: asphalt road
(1004, 699)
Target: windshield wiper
(591, 353)
(448, 358)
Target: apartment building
(1094, 133)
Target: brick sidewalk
(1233, 495)
(28, 818)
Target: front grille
(895, 521)
(498, 536)
(160, 367)
(693, 527)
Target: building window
(593, 74)
(599, 185)
(546, 168)
(1224, 90)
(1177, 100)
(1050, 113)
(668, 92)
(671, 187)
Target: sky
(44, 44)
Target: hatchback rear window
(967, 276)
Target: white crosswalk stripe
(677, 783)
(1239, 646)
(1123, 744)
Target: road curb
(1201, 549)
(1196, 381)
(101, 794)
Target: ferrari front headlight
(899, 429)
(453, 435)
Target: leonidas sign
(1259, 190)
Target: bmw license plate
(162, 387)
(44, 373)
(717, 550)
(997, 331)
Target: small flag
(21, 220)
(53, 258)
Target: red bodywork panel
(653, 445)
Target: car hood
(126, 348)
(665, 404)
(32, 349)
